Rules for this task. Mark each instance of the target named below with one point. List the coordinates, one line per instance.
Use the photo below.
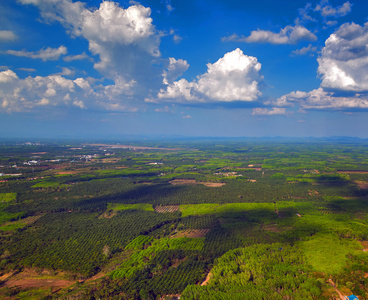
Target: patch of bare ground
(208, 277)
(166, 208)
(108, 214)
(191, 233)
(362, 184)
(33, 279)
(313, 193)
(364, 244)
(177, 262)
(182, 181)
(170, 297)
(5, 276)
(213, 184)
(331, 283)
(95, 277)
(193, 181)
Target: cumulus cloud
(288, 35)
(106, 27)
(7, 35)
(18, 94)
(124, 39)
(234, 77)
(343, 64)
(305, 50)
(326, 10)
(343, 68)
(175, 69)
(269, 112)
(320, 99)
(44, 54)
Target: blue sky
(187, 68)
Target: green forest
(194, 219)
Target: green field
(287, 218)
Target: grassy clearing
(139, 259)
(12, 227)
(328, 253)
(214, 208)
(46, 184)
(7, 197)
(138, 206)
(209, 208)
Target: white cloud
(7, 35)
(180, 91)
(27, 69)
(288, 35)
(54, 90)
(44, 54)
(269, 112)
(66, 72)
(304, 14)
(320, 99)
(176, 38)
(124, 39)
(326, 10)
(79, 103)
(288, 99)
(305, 50)
(234, 77)
(70, 58)
(343, 67)
(343, 64)
(7, 76)
(175, 69)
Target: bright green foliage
(203, 209)
(274, 271)
(139, 242)
(137, 206)
(139, 259)
(7, 197)
(12, 227)
(328, 253)
(46, 184)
